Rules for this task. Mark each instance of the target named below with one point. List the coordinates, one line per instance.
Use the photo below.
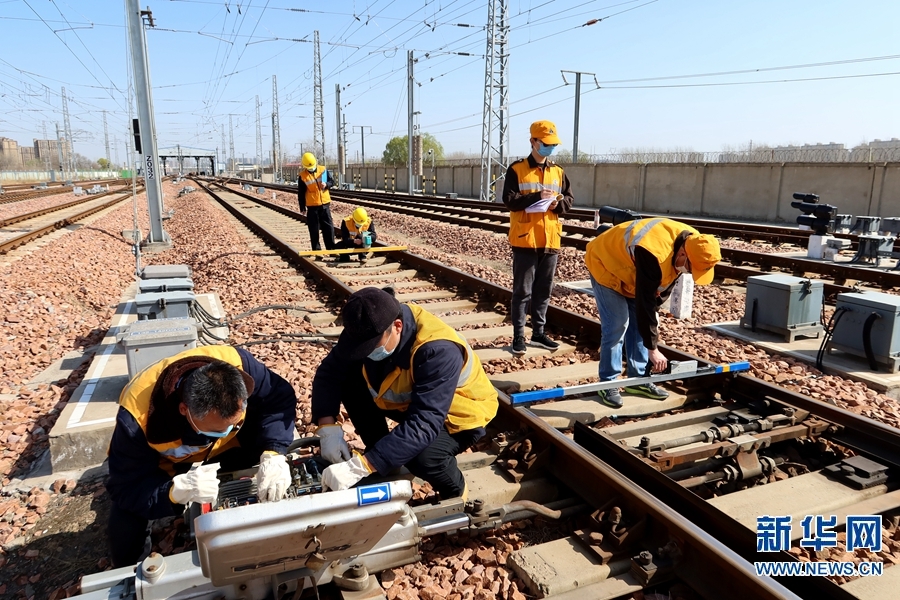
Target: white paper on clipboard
(540, 205)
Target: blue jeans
(619, 323)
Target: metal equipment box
(856, 324)
(148, 342)
(173, 284)
(166, 272)
(786, 305)
(164, 305)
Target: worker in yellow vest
(313, 183)
(206, 407)
(401, 362)
(633, 267)
(357, 232)
(537, 193)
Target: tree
(104, 163)
(396, 151)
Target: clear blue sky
(210, 58)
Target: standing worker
(357, 231)
(313, 184)
(213, 404)
(398, 361)
(537, 193)
(633, 267)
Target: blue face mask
(214, 434)
(545, 151)
(381, 353)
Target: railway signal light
(818, 217)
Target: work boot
(649, 390)
(541, 340)
(344, 258)
(611, 397)
(518, 346)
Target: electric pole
(578, 75)
(495, 120)
(409, 146)
(47, 157)
(147, 132)
(276, 133)
(106, 138)
(259, 148)
(339, 138)
(362, 140)
(318, 106)
(231, 143)
(59, 151)
(67, 130)
(224, 146)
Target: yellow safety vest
(351, 225)
(475, 399)
(536, 230)
(610, 256)
(314, 196)
(136, 398)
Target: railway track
(21, 229)
(17, 195)
(767, 435)
(839, 277)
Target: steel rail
(17, 241)
(589, 476)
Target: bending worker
(353, 231)
(401, 362)
(537, 193)
(215, 405)
(313, 183)
(633, 267)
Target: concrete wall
(39, 176)
(752, 191)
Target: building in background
(10, 157)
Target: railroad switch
(858, 472)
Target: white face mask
(683, 268)
(359, 225)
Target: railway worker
(215, 405)
(313, 183)
(633, 267)
(537, 193)
(352, 230)
(400, 362)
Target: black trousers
(128, 531)
(347, 244)
(436, 464)
(532, 283)
(319, 217)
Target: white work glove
(344, 475)
(332, 445)
(272, 478)
(200, 484)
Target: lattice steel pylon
(318, 104)
(259, 148)
(495, 136)
(106, 138)
(276, 133)
(67, 130)
(231, 142)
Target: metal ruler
(351, 250)
(676, 370)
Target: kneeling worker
(213, 404)
(401, 362)
(632, 268)
(354, 229)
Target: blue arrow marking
(373, 494)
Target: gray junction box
(172, 284)
(148, 342)
(783, 304)
(166, 272)
(164, 305)
(855, 324)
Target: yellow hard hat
(360, 215)
(309, 161)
